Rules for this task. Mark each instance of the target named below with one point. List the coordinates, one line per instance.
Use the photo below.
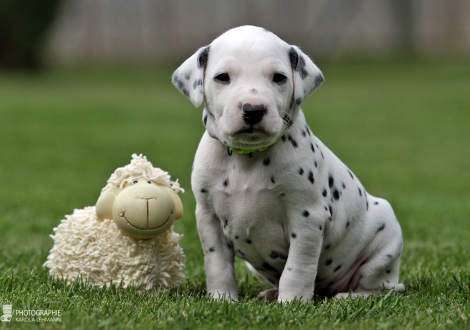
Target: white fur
(298, 216)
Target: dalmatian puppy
(270, 192)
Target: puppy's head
(251, 83)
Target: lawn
(403, 128)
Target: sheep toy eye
(149, 182)
(135, 181)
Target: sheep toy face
(141, 209)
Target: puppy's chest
(248, 199)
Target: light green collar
(247, 151)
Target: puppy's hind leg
(378, 274)
(381, 270)
(270, 294)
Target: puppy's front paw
(399, 287)
(222, 295)
(269, 295)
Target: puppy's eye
(222, 78)
(279, 78)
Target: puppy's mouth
(252, 130)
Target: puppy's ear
(307, 76)
(189, 77)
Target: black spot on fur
(267, 266)
(236, 236)
(230, 245)
(388, 271)
(318, 80)
(337, 268)
(331, 181)
(212, 249)
(249, 241)
(287, 120)
(382, 227)
(304, 134)
(197, 82)
(320, 227)
(301, 171)
(331, 209)
(336, 194)
(298, 101)
(203, 190)
(376, 203)
(293, 235)
(289, 269)
(225, 223)
(324, 192)
(297, 63)
(205, 120)
(254, 91)
(266, 161)
(226, 182)
(283, 138)
(203, 57)
(315, 163)
(303, 73)
(350, 173)
(367, 205)
(347, 224)
(305, 213)
(292, 140)
(312, 147)
(308, 130)
(272, 179)
(343, 185)
(293, 58)
(328, 261)
(327, 246)
(310, 177)
(360, 191)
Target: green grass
(404, 129)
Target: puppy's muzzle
(253, 114)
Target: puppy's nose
(252, 114)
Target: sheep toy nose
(253, 114)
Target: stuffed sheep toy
(127, 238)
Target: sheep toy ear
(176, 199)
(104, 204)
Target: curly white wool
(141, 167)
(97, 252)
